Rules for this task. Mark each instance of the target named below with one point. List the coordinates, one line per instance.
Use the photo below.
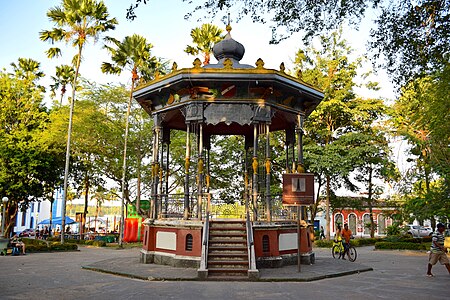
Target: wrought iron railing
(172, 207)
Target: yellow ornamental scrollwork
(187, 164)
(156, 169)
(300, 168)
(197, 63)
(267, 166)
(228, 64)
(207, 180)
(174, 66)
(200, 166)
(260, 64)
(255, 165)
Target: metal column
(268, 195)
(200, 172)
(255, 171)
(187, 209)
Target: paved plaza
(118, 275)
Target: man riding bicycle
(346, 235)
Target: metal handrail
(205, 238)
(250, 245)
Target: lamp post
(4, 200)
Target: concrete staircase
(228, 252)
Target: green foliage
(355, 242)
(393, 230)
(95, 243)
(407, 239)
(204, 38)
(401, 246)
(342, 132)
(35, 245)
(413, 36)
(323, 243)
(30, 164)
(420, 115)
(57, 246)
(364, 241)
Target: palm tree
(28, 70)
(75, 21)
(204, 38)
(64, 76)
(133, 53)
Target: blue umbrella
(57, 221)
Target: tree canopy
(409, 38)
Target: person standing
(438, 251)
(322, 233)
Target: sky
(162, 23)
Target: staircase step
(228, 248)
(240, 229)
(228, 262)
(227, 241)
(215, 255)
(228, 234)
(228, 271)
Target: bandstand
(227, 98)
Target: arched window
(352, 223)
(338, 220)
(381, 224)
(366, 224)
(265, 244)
(189, 241)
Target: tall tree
(413, 37)
(134, 53)
(204, 38)
(420, 116)
(331, 69)
(63, 77)
(76, 21)
(28, 69)
(28, 164)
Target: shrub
(364, 241)
(32, 248)
(63, 247)
(323, 243)
(393, 230)
(99, 243)
(401, 246)
(36, 242)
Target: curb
(269, 279)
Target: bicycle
(338, 251)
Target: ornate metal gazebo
(226, 98)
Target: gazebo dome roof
(228, 48)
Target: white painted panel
(166, 240)
(288, 241)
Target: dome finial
(228, 28)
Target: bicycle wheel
(352, 254)
(336, 252)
